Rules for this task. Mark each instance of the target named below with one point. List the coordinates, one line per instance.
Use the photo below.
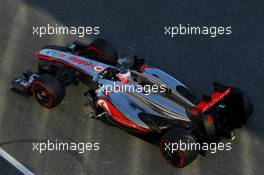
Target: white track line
(14, 162)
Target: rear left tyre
(171, 150)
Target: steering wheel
(109, 74)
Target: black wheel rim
(173, 157)
(42, 95)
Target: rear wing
(226, 109)
(220, 92)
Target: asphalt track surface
(237, 59)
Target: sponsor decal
(117, 116)
(62, 55)
(124, 122)
(53, 53)
(80, 61)
(104, 105)
(98, 68)
(216, 97)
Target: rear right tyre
(103, 50)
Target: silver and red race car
(124, 91)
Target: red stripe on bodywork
(216, 97)
(118, 117)
(143, 67)
(210, 119)
(60, 61)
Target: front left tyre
(47, 91)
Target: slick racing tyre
(170, 148)
(47, 91)
(104, 51)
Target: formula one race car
(142, 99)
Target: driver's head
(123, 75)
(126, 59)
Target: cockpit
(125, 63)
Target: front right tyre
(104, 51)
(47, 91)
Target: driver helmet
(123, 75)
(126, 59)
